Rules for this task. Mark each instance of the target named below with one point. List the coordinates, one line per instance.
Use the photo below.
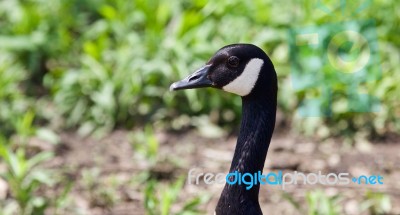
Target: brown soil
(115, 169)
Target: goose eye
(233, 61)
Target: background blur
(88, 125)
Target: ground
(107, 172)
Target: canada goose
(245, 70)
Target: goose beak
(198, 79)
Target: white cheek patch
(245, 82)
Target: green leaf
(48, 135)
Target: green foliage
(160, 198)
(317, 202)
(376, 203)
(102, 193)
(13, 103)
(24, 179)
(22, 171)
(110, 64)
(145, 143)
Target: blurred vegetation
(318, 202)
(160, 198)
(96, 65)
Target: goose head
(242, 69)
(245, 70)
